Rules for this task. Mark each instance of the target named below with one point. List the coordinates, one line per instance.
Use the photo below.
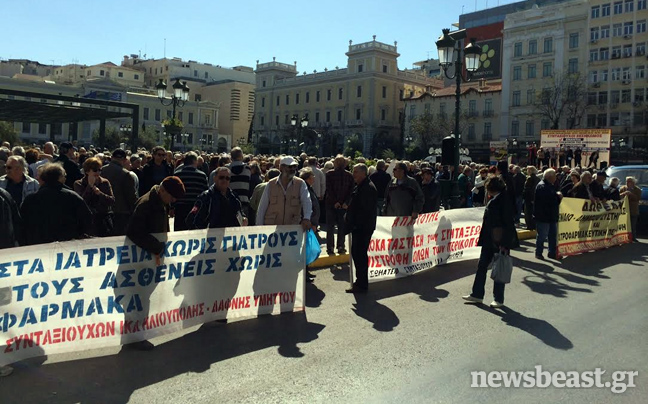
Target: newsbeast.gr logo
(538, 378)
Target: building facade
(362, 103)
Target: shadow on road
(540, 329)
(593, 263)
(382, 317)
(112, 379)
(314, 295)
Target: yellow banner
(584, 225)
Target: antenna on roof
(165, 48)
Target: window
(472, 107)
(629, 6)
(530, 128)
(604, 75)
(605, 31)
(146, 113)
(546, 96)
(339, 93)
(339, 115)
(591, 98)
(639, 94)
(120, 74)
(604, 53)
(412, 113)
(358, 113)
(488, 105)
(640, 72)
(307, 97)
(277, 120)
(626, 74)
(190, 118)
(180, 115)
(594, 55)
(546, 69)
(384, 92)
(615, 96)
(548, 45)
(596, 12)
(626, 96)
(601, 120)
(573, 66)
(156, 70)
(593, 76)
(442, 109)
(42, 128)
(89, 73)
(517, 73)
(627, 28)
(617, 30)
(515, 128)
(616, 52)
(328, 116)
(531, 72)
(317, 96)
(287, 99)
(57, 129)
(531, 97)
(384, 69)
(206, 75)
(533, 47)
(594, 34)
(262, 121)
(516, 99)
(616, 74)
(136, 76)
(26, 127)
(627, 51)
(359, 91)
(101, 72)
(602, 97)
(573, 41)
(329, 92)
(641, 4)
(488, 134)
(471, 131)
(297, 98)
(262, 102)
(641, 26)
(591, 121)
(605, 10)
(360, 67)
(317, 116)
(263, 83)
(168, 113)
(278, 100)
(195, 73)
(517, 49)
(618, 7)
(286, 119)
(157, 114)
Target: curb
(325, 261)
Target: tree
(112, 140)
(388, 154)
(428, 131)
(354, 144)
(565, 100)
(8, 133)
(148, 138)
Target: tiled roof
(465, 88)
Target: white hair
(21, 160)
(632, 179)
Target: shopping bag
(501, 268)
(313, 248)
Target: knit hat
(174, 186)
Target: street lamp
(451, 55)
(185, 136)
(179, 97)
(303, 123)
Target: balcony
(206, 124)
(473, 114)
(489, 113)
(337, 124)
(384, 124)
(354, 122)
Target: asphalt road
(408, 341)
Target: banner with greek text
(401, 247)
(584, 225)
(78, 295)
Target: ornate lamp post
(303, 123)
(451, 55)
(178, 99)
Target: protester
(465, 186)
(285, 199)
(582, 189)
(497, 234)
(309, 178)
(10, 223)
(217, 207)
(578, 157)
(545, 213)
(431, 191)
(403, 196)
(612, 193)
(55, 212)
(360, 221)
(123, 189)
(597, 186)
(502, 171)
(519, 180)
(241, 174)
(339, 185)
(97, 193)
(381, 180)
(479, 191)
(195, 183)
(633, 193)
(66, 158)
(568, 185)
(155, 171)
(258, 192)
(16, 181)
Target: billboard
(490, 61)
(587, 140)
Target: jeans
(485, 258)
(547, 230)
(335, 217)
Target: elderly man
(339, 184)
(285, 200)
(582, 190)
(195, 182)
(218, 206)
(403, 196)
(381, 180)
(155, 171)
(529, 196)
(633, 193)
(360, 220)
(55, 212)
(16, 181)
(519, 180)
(598, 191)
(66, 158)
(545, 211)
(123, 187)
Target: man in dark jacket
(431, 191)
(339, 184)
(195, 183)
(498, 234)
(217, 207)
(519, 180)
(123, 187)
(55, 212)
(72, 169)
(361, 222)
(10, 222)
(403, 196)
(155, 171)
(381, 180)
(545, 212)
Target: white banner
(401, 248)
(588, 140)
(78, 295)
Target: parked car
(640, 172)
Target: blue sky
(224, 32)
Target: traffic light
(447, 151)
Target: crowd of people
(60, 193)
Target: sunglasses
(220, 177)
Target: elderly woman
(633, 193)
(612, 193)
(17, 182)
(97, 194)
(574, 178)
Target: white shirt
(304, 197)
(319, 186)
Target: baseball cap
(288, 161)
(174, 186)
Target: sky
(229, 33)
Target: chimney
(482, 83)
